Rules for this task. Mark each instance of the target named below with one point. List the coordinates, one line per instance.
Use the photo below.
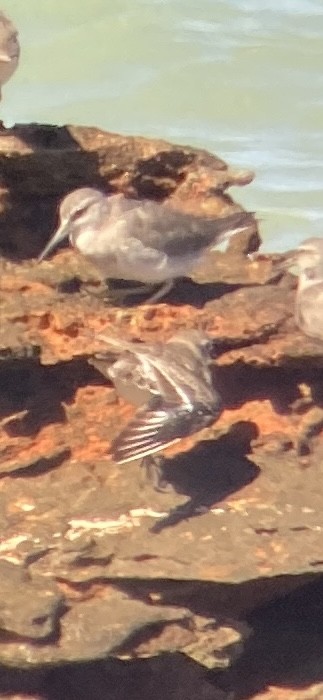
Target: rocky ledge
(195, 594)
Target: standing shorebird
(172, 384)
(308, 259)
(9, 49)
(139, 240)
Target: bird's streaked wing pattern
(182, 399)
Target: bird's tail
(227, 226)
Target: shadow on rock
(39, 467)
(185, 291)
(240, 384)
(39, 392)
(35, 419)
(167, 676)
(209, 473)
(188, 292)
(286, 646)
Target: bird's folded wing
(161, 228)
(134, 255)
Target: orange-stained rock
(127, 571)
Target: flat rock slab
(33, 609)
(95, 562)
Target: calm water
(242, 78)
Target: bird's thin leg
(161, 292)
(153, 466)
(122, 294)
(140, 288)
(119, 296)
(100, 292)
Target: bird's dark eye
(78, 213)
(310, 273)
(208, 346)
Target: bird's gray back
(173, 232)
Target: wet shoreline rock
(129, 573)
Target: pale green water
(242, 78)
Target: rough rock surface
(93, 562)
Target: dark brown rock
(30, 608)
(40, 164)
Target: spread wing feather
(150, 431)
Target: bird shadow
(185, 291)
(211, 471)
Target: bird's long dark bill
(58, 237)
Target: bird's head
(307, 258)
(79, 210)
(9, 49)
